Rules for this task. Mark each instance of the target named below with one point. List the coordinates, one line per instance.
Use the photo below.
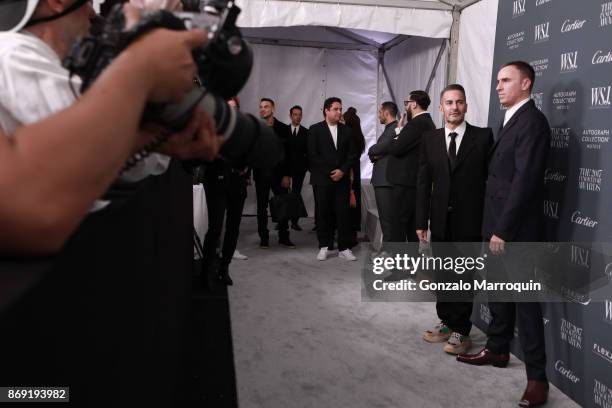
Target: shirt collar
(460, 130)
(420, 113)
(394, 124)
(511, 111)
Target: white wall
(475, 65)
(409, 66)
(306, 76)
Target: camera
(224, 65)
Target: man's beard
(408, 114)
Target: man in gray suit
(387, 114)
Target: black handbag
(287, 206)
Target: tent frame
(365, 44)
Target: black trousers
(297, 181)
(223, 198)
(332, 210)
(265, 180)
(384, 205)
(455, 308)
(403, 229)
(528, 315)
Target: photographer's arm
(52, 172)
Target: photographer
(108, 312)
(37, 216)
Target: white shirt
(460, 131)
(34, 85)
(399, 129)
(295, 129)
(511, 111)
(334, 132)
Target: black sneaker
(286, 242)
(296, 227)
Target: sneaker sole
(435, 339)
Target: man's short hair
(329, 102)
(524, 68)
(267, 100)
(295, 107)
(421, 98)
(452, 87)
(390, 107)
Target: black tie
(294, 132)
(452, 150)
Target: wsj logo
(581, 256)
(566, 372)
(571, 334)
(606, 14)
(551, 209)
(600, 97)
(579, 219)
(608, 311)
(602, 352)
(541, 32)
(602, 395)
(569, 62)
(518, 8)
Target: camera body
(224, 63)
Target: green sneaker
(439, 334)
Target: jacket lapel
(329, 135)
(511, 122)
(466, 146)
(440, 145)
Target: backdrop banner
(568, 44)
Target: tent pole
(381, 62)
(435, 67)
(453, 55)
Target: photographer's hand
(199, 140)
(166, 62)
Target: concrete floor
(304, 339)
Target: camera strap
(74, 6)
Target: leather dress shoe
(484, 357)
(535, 394)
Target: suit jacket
(283, 168)
(381, 148)
(458, 192)
(297, 149)
(514, 193)
(403, 165)
(324, 157)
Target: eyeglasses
(407, 102)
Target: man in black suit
(297, 146)
(277, 179)
(512, 213)
(331, 153)
(379, 156)
(403, 165)
(450, 195)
